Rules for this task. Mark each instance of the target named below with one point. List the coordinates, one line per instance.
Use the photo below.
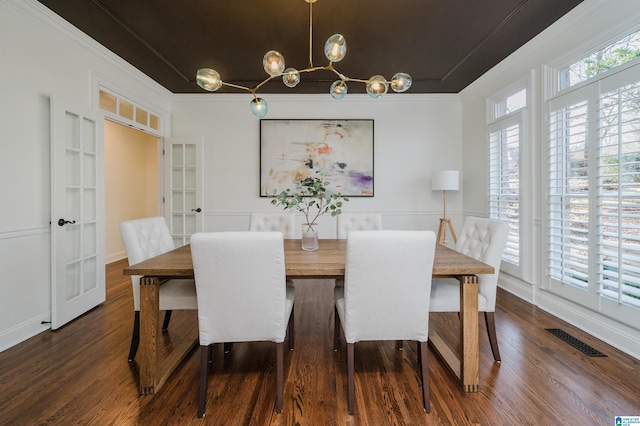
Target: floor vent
(576, 343)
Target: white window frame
(589, 92)
(520, 235)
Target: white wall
(592, 25)
(413, 135)
(42, 56)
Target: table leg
(469, 362)
(149, 331)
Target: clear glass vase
(309, 236)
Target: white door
(183, 188)
(77, 212)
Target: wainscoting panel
(25, 284)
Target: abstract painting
(341, 151)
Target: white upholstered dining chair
(356, 221)
(484, 240)
(385, 294)
(242, 296)
(346, 222)
(144, 239)
(283, 222)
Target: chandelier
(335, 49)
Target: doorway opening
(132, 181)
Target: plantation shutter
(504, 180)
(618, 200)
(568, 192)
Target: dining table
(328, 262)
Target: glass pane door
(77, 225)
(184, 200)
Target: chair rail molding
(6, 234)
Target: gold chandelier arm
(312, 69)
(342, 76)
(238, 87)
(358, 80)
(328, 67)
(265, 81)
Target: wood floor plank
(80, 374)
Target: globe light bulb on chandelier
(335, 49)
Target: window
(125, 111)
(510, 103)
(619, 194)
(505, 192)
(593, 188)
(504, 183)
(568, 188)
(618, 53)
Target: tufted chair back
(346, 222)
(144, 239)
(283, 222)
(484, 239)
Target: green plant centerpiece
(312, 200)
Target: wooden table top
(327, 262)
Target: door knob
(198, 210)
(63, 222)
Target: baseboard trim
(115, 257)
(24, 331)
(517, 287)
(610, 331)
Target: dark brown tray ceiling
(443, 44)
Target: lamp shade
(445, 180)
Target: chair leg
(424, 375)
(279, 375)
(291, 331)
(135, 338)
(336, 329)
(204, 378)
(167, 318)
(350, 374)
(489, 319)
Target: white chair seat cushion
(178, 294)
(445, 296)
(288, 303)
(338, 295)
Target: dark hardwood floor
(80, 374)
